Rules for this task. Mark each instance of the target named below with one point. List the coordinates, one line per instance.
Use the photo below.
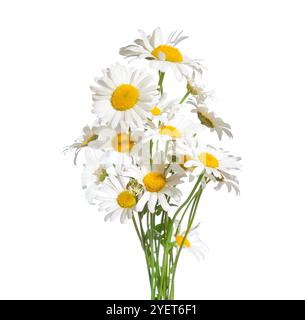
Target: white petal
(143, 200)
(163, 202)
(152, 202)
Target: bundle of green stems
(156, 232)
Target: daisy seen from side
(190, 243)
(210, 120)
(163, 54)
(212, 161)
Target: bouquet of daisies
(145, 146)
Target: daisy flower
(196, 89)
(214, 162)
(177, 130)
(163, 54)
(191, 243)
(228, 180)
(96, 169)
(117, 200)
(124, 96)
(210, 120)
(164, 110)
(158, 183)
(121, 142)
(88, 139)
(178, 164)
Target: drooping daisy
(124, 97)
(228, 180)
(210, 120)
(88, 139)
(196, 89)
(213, 162)
(163, 54)
(116, 199)
(192, 243)
(96, 169)
(158, 183)
(164, 110)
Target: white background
(53, 245)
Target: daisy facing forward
(123, 97)
(163, 54)
(158, 183)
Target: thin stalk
(185, 211)
(145, 248)
(185, 97)
(189, 197)
(169, 230)
(152, 262)
(191, 220)
(160, 83)
(137, 230)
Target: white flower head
(196, 89)
(124, 97)
(191, 243)
(97, 167)
(117, 200)
(158, 183)
(164, 110)
(172, 135)
(88, 139)
(228, 180)
(212, 161)
(163, 54)
(122, 143)
(210, 120)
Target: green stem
(168, 227)
(145, 247)
(137, 230)
(160, 83)
(189, 197)
(185, 97)
(190, 223)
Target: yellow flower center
(170, 131)
(154, 181)
(124, 97)
(179, 240)
(172, 54)
(209, 160)
(155, 111)
(126, 199)
(122, 142)
(183, 159)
